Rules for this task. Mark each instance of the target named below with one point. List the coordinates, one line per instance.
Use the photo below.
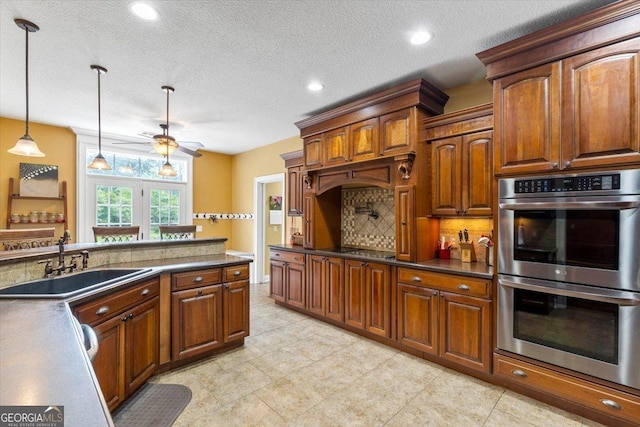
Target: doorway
(268, 227)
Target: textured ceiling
(240, 68)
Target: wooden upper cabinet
(336, 148)
(527, 120)
(601, 91)
(461, 159)
(364, 139)
(313, 151)
(446, 160)
(397, 132)
(476, 173)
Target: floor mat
(156, 405)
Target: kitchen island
(42, 356)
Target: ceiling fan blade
(131, 142)
(190, 152)
(192, 144)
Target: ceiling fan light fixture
(26, 146)
(99, 162)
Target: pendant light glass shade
(26, 146)
(167, 169)
(99, 162)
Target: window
(132, 192)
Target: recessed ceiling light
(420, 37)
(144, 11)
(315, 86)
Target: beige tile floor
(297, 371)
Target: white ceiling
(240, 67)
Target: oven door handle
(614, 297)
(570, 205)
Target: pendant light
(99, 162)
(26, 146)
(165, 144)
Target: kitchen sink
(70, 284)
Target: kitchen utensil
(466, 235)
(460, 236)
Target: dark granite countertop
(450, 266)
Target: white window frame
(85, 199)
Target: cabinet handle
(295, 258)
(236, 273)
(612, 404)
(457, 211)
(403, 223)
(127, 317)
(103, 310)
(554, 165)
(464, 212)
(199, 292)
(435, 293)
(519, 373)
(416, 279)
(463, 287)
(276, 254)
(226, 286)
(145, 292)
(198, 279)
(566, 165)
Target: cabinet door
(397, 132)
(313, 151)
(109, 361)
(378, 299)
(308, 216)
(277, 278)
(601, 100)
(142, 350)
(294, 191)
(334, 289)
(446, 168)
(315, 284)
(465, 330)
(295, 283)
(477, 174)
(364, 139)
(527, 120)
(196, 321)
(418, 317)
(405, 223)
(236, 310)
(354, 294)
(336, 148)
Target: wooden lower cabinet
(437, 321)
(196, 321)
(325, 287)
(127, 324)
(614, 403)
(288, 278)
(235, 297)
(368, 297)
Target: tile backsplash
(363, 230)
(449, 228)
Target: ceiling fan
(164, 144)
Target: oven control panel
(569, 183)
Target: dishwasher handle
(90, 341)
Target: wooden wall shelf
(16, 196)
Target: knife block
(467, 253)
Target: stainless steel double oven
(569, 272)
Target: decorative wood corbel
(308, 181)
(405, 164)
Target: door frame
(258, 225)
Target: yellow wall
(212, 193)
(261, 161)
(59, 146)
(468, 95)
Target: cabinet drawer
(191, 279)
(447, 282)
(238, 272)
(291, 257)
(113, 304)
(606, 400)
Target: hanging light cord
(99, 117)
(26, 80)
